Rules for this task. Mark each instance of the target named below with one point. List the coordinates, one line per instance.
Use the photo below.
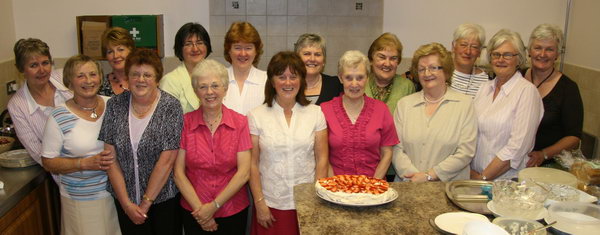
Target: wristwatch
(483, 177)
(545, 156)
(429, 178)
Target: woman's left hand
(536, 158)
(205, 213)
(416, 177)
(209, 226)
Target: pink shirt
(354, 148)
(211, 161)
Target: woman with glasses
(320, 87)
(116, 46)
(562, 123)
(213, 163)
(141, 130)
(437, 125)
(243, 48)
(361, 129)
(192, 45)
(508, 109)
(466, 47)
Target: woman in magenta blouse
(213, 163)
(361, 129)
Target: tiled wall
(280, 22)
(588, 81)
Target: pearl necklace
(214, 122)
(317, 83)
(94, 115)
(433, 101)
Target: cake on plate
(355, 190)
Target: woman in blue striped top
(72, 150)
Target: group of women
(173, 152)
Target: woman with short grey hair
(468, 41)
(508, 111)
(562, 122)
(320, 87)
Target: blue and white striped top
(67, 135)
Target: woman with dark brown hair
(116, 46)
(287, 132)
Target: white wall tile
(217, 42)
(296, 25)
(218, 25)
(374, 7)
(241, 10)
(256, 7)
(318, 25)
(338, 25)
(217, 7)
(276, 7)
(297, 7)
(319, 7)
(231, 19)
(276, 25)
(260, 23)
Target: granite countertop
(18, 183)
(409, 214)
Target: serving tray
(466, 194)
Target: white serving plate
(392, 198)
(454, 222)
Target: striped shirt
(29, 117)
(507, 124)
(468, 84)
(69, 136)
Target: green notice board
(141, 27)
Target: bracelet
(545, 156)
(146, 198)
(483, 177)
(260, 199)
(429, 178)
(217, 204)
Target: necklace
(317, 83)
(148, 108)
(538, 86)
(94, 115)
(433, 101)
(381, 93)
(217, 120)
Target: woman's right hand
(135, 213)
(263, 214)
(100, 162)
(210, 226)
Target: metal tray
(466, 194)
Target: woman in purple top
(361, 129)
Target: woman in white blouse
(243, 48)
(289, 138)
(436, 126)
(508, 109)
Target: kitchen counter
(18, 183)
(409, 214)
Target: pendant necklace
(538, 86)
(94, 115)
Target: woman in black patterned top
(142, 127)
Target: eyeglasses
(214, 86)
(193, 44)
(431, 69)
(146, 76)
(506, 56)
(465, 46)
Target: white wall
(7, 30)
(424, 21)
(583, 47)
(54, 21)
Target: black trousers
(232, 225)
(163, 219)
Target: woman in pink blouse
(361, 129)
(213, 163)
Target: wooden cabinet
(32, 215)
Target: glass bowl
(518, 226)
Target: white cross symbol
(134, 32)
